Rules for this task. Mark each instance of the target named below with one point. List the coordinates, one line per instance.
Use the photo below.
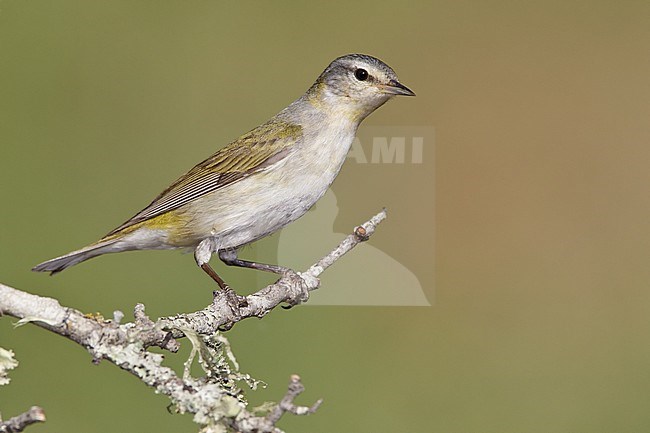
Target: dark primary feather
(250, 153)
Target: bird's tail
(60, 263)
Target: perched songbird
(260, 182)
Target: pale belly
(257, 206)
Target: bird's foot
(303, 282)
(234, 302)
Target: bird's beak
(394, 87)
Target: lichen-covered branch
(19, 423)
(286, 404)
(215, 401)
(33, 415)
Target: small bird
(260, 182)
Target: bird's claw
(234, 302)
(304, 282)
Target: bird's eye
(361, 74)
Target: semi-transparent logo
(396, 164)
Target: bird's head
(356, 85)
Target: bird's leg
(230, 258)
(202, 256)
(213, 274)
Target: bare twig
(286, 404)
(246, 422)
(19, 423)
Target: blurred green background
(540, 283)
